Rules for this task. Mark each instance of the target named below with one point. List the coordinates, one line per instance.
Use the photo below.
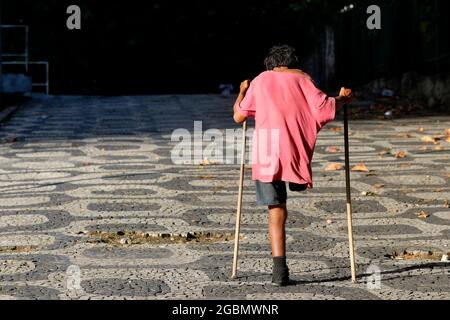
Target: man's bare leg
(277, 230)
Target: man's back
(293, 110)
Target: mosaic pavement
(70, 165)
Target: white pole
(239, 204)
(349, 196)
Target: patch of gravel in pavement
(418, 255)
(123, 238)
(18, 249)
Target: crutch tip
(234, 277)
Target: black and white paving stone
(81, 164)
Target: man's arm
(238, 117)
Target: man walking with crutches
(289, 112)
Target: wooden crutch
(239, 204)
(349, 196)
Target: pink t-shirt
(289, 111)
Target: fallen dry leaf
(405, 135)
(401, 155)
(379, 186)
(360, 168)
(385, 152)
(209, 177)
(423, 215)
(206, 162)
(333, 149)
(447, 139)
(439, 148)
(447, 132)
(422, 130)
(429, 139)
(334, 167)
(336, 129)
(447, 204)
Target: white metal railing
(23, 58)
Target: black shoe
(280, 276)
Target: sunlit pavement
(71, 166)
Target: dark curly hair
(281, 56)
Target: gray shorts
(275, 193)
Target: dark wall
(415, 36)
(136, 46)
(140, 46)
